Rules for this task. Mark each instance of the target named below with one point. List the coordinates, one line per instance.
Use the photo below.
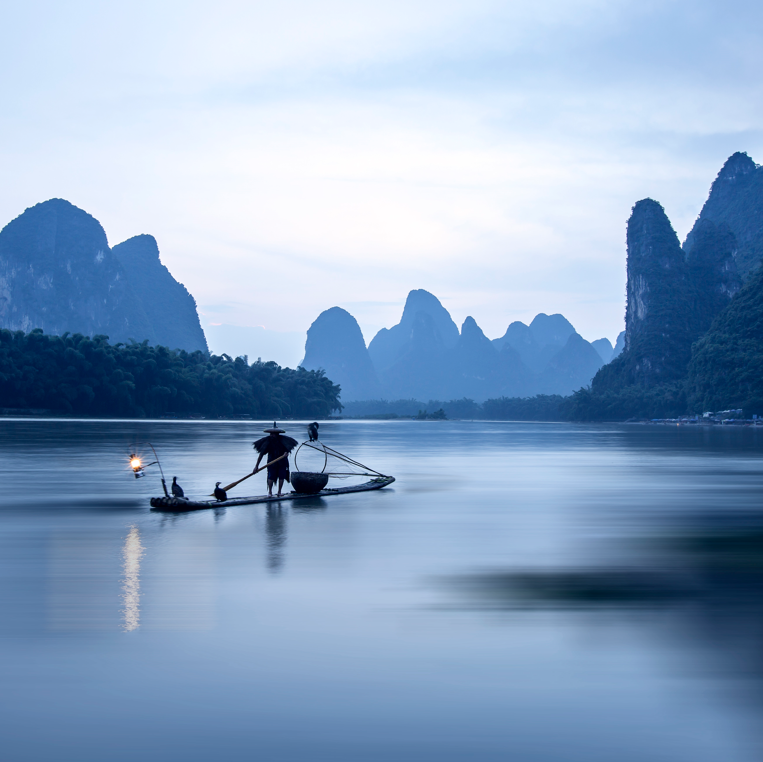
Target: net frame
(326, 450)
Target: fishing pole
(261, 468)
(137, 466)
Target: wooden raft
(181, 505)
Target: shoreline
(53, 417)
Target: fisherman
(275, 446)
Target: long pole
(261, 468)
(158, 463)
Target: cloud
(295, 156)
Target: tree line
(542, 407)
(85, 375)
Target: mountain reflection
(708, 573)
(131, 553)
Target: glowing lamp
(137, 466)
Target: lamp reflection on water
(132, 553)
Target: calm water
(371, 626)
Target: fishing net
(320, 458)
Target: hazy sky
(294, 156)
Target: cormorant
(220, 493)
(177, 490)
(312, 432)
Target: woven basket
(308, 482)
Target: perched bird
(177, 490)
(220, 493)
(312, 431)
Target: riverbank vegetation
(543, 407)
(80, 375)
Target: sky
(297, 156)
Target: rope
(346, 459)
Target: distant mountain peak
(551, 329)
(471, 329)
(170, 308)
(64, 212)
(648, 214)
(389, 345)
(420, 300)
(143, 248)
(658, 324)
(59, 204)
(517, 334)
(735, 199)
(335, 344)
(604, 348)
(412, 359)
(737, 165)
(537, 343)
(60, 274)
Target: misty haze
(381, 382)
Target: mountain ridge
(58, 273)
(413, 359)
(169, 306)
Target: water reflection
(82, 581)
(219, 513)
(309, 505)
(235, 650)
(275, 530)
(707, 573)
(131, 553)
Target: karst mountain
(693, 337)
(58, 273)
(426, 356)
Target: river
(443, 618)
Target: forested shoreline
(79, 375)
(633, 403)
(542, 407)
(76, 374)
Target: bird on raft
(177, 490)
(220, 493)
(312, 432)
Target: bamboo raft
(183, 505)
